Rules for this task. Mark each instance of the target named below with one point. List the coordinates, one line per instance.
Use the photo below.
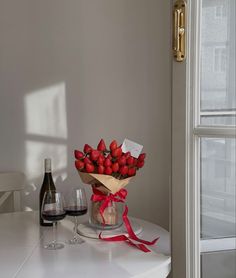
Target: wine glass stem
(75, 226)
(54, 230)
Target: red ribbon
(120, 196)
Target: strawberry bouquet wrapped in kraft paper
(108, 171)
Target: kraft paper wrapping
(104, 183)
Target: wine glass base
(54, 246)
(76, 240)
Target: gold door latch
(179, 31)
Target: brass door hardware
(179, 30)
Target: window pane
(217, 50)
(218, 178)
(220, 119)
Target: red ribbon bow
(120, 196)
(98, 196)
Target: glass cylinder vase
(111, 218)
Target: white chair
(11, 184)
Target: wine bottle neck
(47, 164)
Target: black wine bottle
(47, 185)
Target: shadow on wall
(46, 135)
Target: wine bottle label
(50, 207)
(47, 164)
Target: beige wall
(75, 71)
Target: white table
(22, 254)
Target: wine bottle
(47, 185)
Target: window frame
(186, 135)
(196, 132)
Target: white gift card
(132, 147)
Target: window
(220, 11)
(203, 148)
(218, 171)
(219, 59)
(214, 136)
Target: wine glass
(53, 210)
(76, 205)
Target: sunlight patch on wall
(37, 151)
(45, 136)
(45, 112)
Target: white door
(204, 145)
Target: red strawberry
(127, 155)
(101, 146)
(130, 160)
(115, 167)
(78, 154)
(124, 170)
(87, 148)
(131, 171)
(113, 145)
(135, 161)
(107, 162)
(101, 169)
(94, 155)
(109, 156)
(79, 164)
(122, 160)
(102, 156)
(89, 168)
(142, 157)
(108, 170)
(100, 160)
(140, 164)
(117, 152)
(87, 161)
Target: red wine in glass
(76, 210)
(53, 210)
(76, 205)
(53, 215)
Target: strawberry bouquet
(108, 170)
(110, 161)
